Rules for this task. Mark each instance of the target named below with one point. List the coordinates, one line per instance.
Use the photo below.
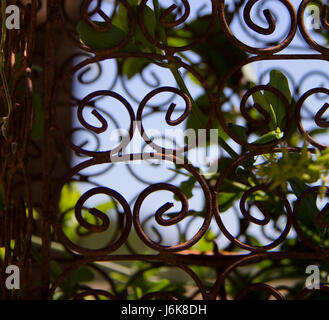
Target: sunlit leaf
(278, 81)
(70, 195)
(269, 137)
(101, 40)
(205, 243)
(133, 66)
(226, 200)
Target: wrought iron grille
(84, 217)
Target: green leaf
(187, 187)
(200, 122)
(231, 186)
(145, 283)
(180, 38)
(83, 274)
(138, 293)
(69, 197)
(205, 243)
(133, 66)
(106, 206)
(225, 200)
(71, 283)
(38, 117)
(2, 253)
(196, 122)
(269, 137)
(100, 40)
(159, 285)
(150, 24)
(121, 20)
(253, 241)
(259, 98)
(307, 214)
(274, 120)
(308, 209)
(55, 269)
(119, 30)
(278, 81)
(272, 103)
(218, 54)
(134, 2)
(239, 131)
(149, 20)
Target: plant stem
(181, 84)
(173, 68)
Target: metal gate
(101, 199)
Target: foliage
(294, 165)
(288, 174)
